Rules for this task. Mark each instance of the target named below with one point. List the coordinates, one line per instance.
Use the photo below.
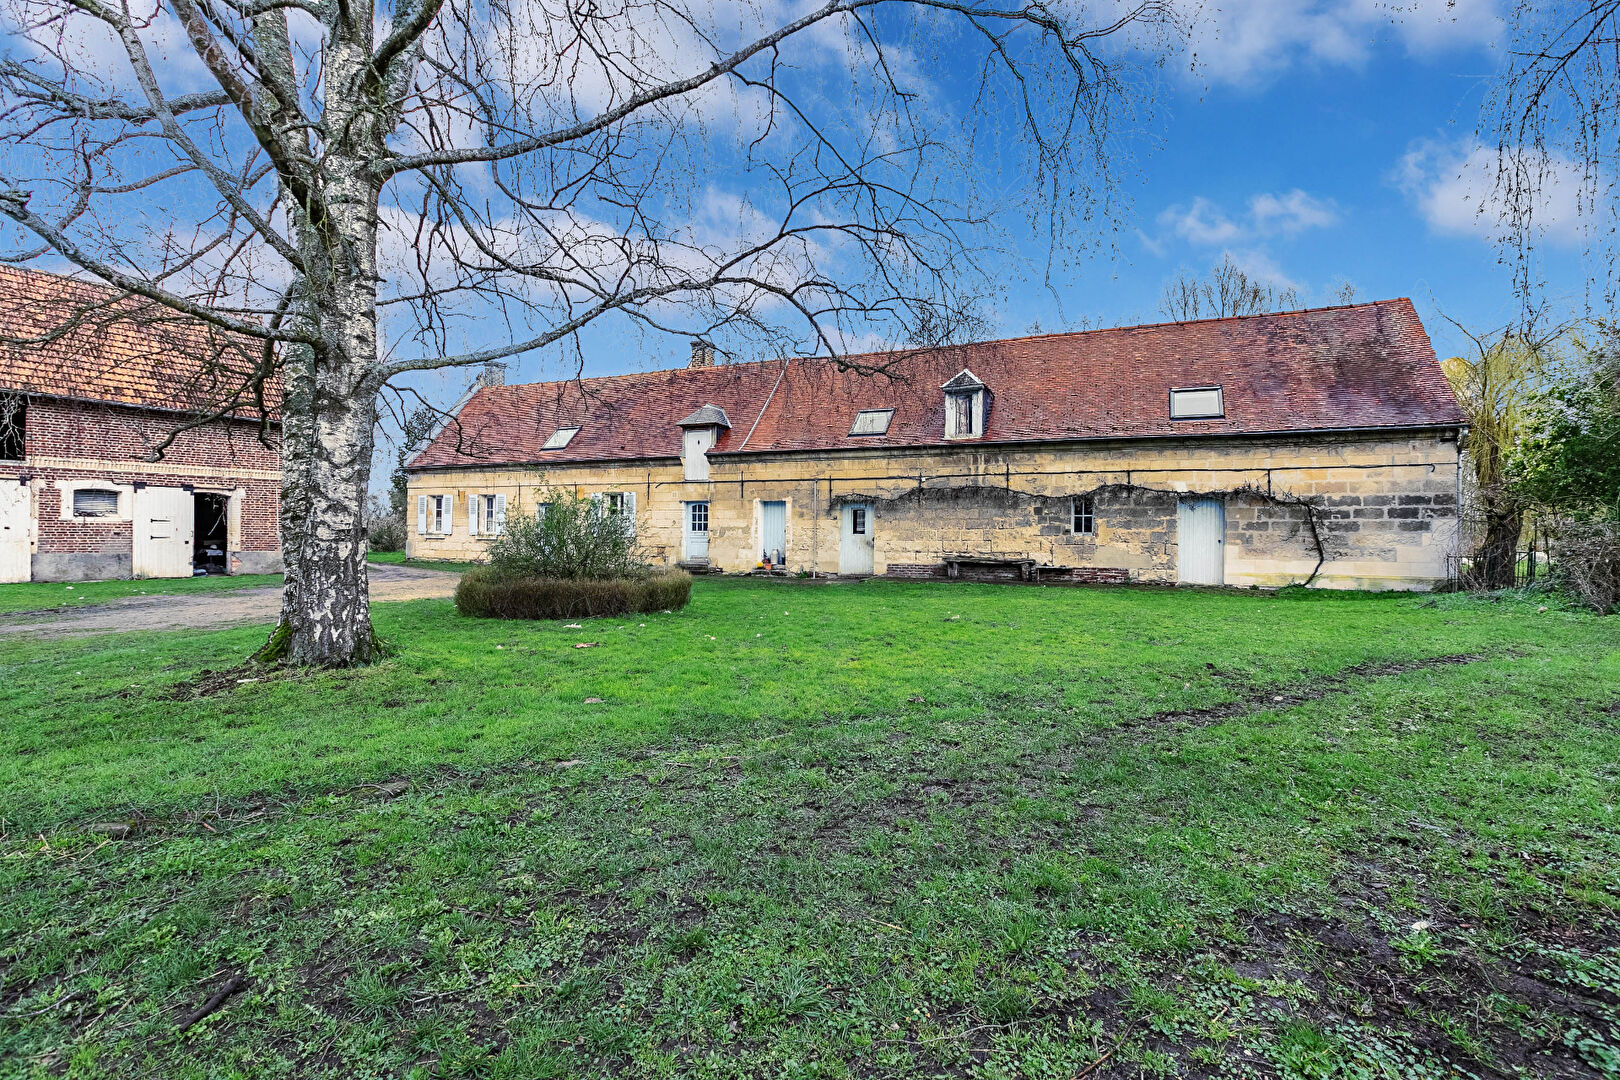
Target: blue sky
(1318, 141)
(1314, 142)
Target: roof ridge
(966, 344)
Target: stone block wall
(1384, 506)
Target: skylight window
(1197, 403)
(560, 438)
(872, 422)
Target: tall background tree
(1553, 119)
(1496, 387)
(1227, 290)
(368, 188)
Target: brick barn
(129, 445)
(1317, 446)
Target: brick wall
(79, 429)
(69, 442)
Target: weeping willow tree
(1497, 388)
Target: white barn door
(163, 526)
(14, 503)
(856, 544)
(1201, 542)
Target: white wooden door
(1201, 542)
(696, 546)
(856, 545)
(14, 504)
(773, 531)
(164, 519)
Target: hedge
(488, 593)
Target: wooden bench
(1026, 567)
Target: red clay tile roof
(103, 346)
(1363, 366)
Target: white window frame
(486, 515)
(692, 515)
(975, 410)
(1083, 515)
(69, 488)
(435, 515)
(111, 512)
(560, 438)
(877, 429)
(1181, 407)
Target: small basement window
(560, 438)
(872, 422)
(1085, 516)
(13, 427)
(95, 503)
(1196, 403)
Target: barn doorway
(1201, 542)
(210, 552)
(856, 546)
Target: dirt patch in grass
(1310, 690)
(1518, 1007)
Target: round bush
(491, 593)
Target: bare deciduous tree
(1554, 121)
(368, 188)
(1228, 290)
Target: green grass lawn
(876, 829)
(397, 558)
(55, 595)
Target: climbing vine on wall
(1310, 507)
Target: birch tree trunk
(331, 387)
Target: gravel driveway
(215, 608)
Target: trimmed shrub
(493, 593)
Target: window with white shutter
(421, 515)
(95, 503)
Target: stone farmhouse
(1315, 447)
(93, 385)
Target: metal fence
(1529, 566)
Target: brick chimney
(494, 374)
(702, 354)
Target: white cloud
(1250, 41)
(1290, 213)
(1200, 222)
(1203, 223)
(1454, 188)
(1263, 268)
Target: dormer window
(872, 422)
(965, 400)
(1197, 403)
(699, 433)
(560, 438)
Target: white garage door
(163, 526)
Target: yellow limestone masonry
(1384, 506)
